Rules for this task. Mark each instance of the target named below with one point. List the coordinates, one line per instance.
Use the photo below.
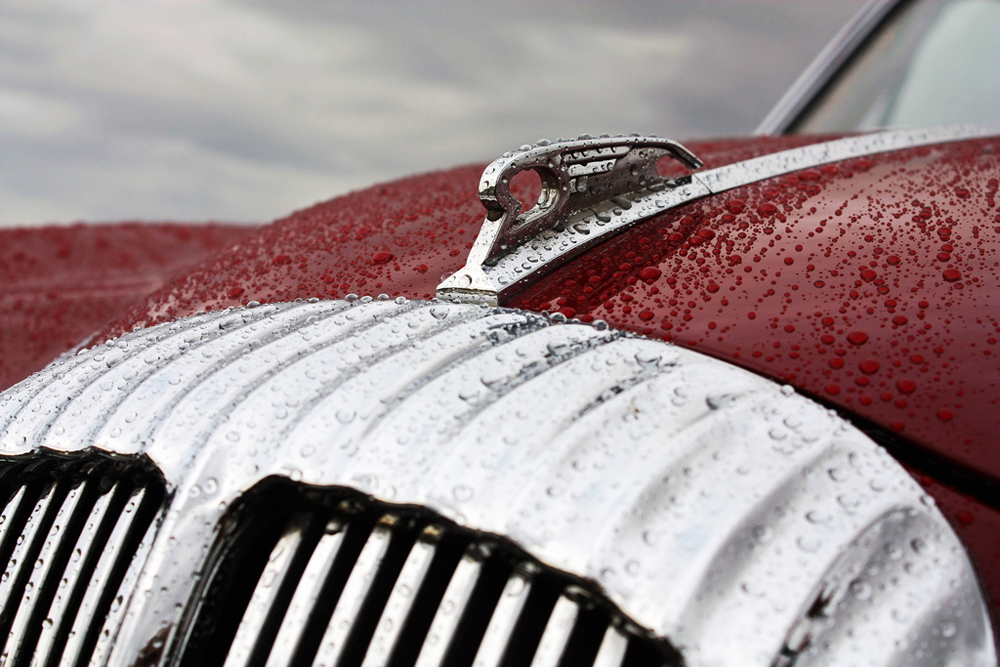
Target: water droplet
(462, 493)
(861, 590)
(809, 543)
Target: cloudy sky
(245, 110)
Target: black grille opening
(303, 575)
(69, 531)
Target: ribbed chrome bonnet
(739, 521)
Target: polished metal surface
(579, 178)
(490, 279)
(712, 506)
(812, 81)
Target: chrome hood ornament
(584, 178)
(593, 189)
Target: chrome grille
(73, 534)
(308, 577)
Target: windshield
(931, 63)
(245, 110)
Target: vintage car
(732, 402)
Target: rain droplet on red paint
(964, 517)
(869, 366)
(382, 256)
(735, 206)
(235, 292)
(952, 275)
(906, 386)
(833, 389)
(836, 363)
(945, 415)
(568, 311)
(645, 315)
(767, 208)
(892, 259)
(649, 273)
(857, 338)
(789, 261)
(868, 275)
(899, 320)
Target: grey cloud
(248, 110)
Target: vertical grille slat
(44, 578)
(342, 580)
(612, 651)
(557, 633)
(11, 520)
(397, 608)
(66, 538)
(119, 597)
(84, 632)
(269, 588)
(305, 598)
(353, 596)
(19, 565)
(70, 589)
(450, 611)
(500, 631)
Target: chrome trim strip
(526, 263)
(824, 67)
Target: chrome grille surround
(740, 521)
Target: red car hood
(871, 284)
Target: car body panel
(60, 284)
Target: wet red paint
(866, 317)
(59, 284)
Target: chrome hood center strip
(737, 519)
(493, 279)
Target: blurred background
(245, 110)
